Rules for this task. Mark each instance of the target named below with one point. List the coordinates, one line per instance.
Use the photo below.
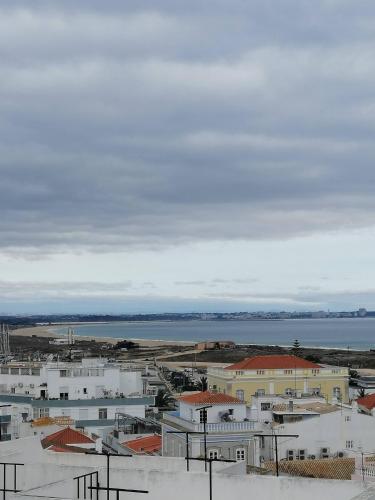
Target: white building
(324, 431)
(92, 378)
(229, 432)
(93, 415)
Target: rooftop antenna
(4, 340)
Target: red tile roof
(272, 362)
(211, 398)
(65, 437)
(367, 401)
(148, 444)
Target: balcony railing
(242, 426)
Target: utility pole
(204, 409)
(187, 433)
(276, 436)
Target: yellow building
(280, 374)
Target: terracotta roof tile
(367, 401)
(272, 362)
(65, 437)
(148, 444)
(211, 398)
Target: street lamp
(204, 408)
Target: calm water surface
(341, 333)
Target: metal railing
(13, 488)
(230, 426)
(87, 478)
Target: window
(35, 371)
(301, 454)
(337, 392)
(230, 411)
(202, 416)
(240, 454)
(240, 395)
(315, 371)
(64, 373)
(315, 391)
(85, 390)
(239, 373)
(335, 370)
(260, 392)
(64, 395)
(260, 372)
(265, 406)
(347, 418)
(288, 372)
(102, 413)
(349, 444)
(44, 412)
(14, 371)
(290, 455)
(213, 453)
(4, 371)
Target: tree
(361, 392)
(203, 383)
(296, 348)
(163, 399)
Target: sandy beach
(48, 331)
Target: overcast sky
(178, 156)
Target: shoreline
(50, 331)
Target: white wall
(83, 387)
(188, 412)
(131, 382)
(164, 484)
(110, 381)
(330, 430)
(84, 412)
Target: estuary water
(356, 333)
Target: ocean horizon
(340, 333)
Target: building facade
(91, 378)
(94, 415)
(229, 432)
(285, 374)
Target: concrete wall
(164, 484)
(188, 412)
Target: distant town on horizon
(33, 319)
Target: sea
(341, 333)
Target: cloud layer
(138, 126)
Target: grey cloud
(189, 283)
(347, 299)
(24, 290)
(131, 127)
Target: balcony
(173, 418)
